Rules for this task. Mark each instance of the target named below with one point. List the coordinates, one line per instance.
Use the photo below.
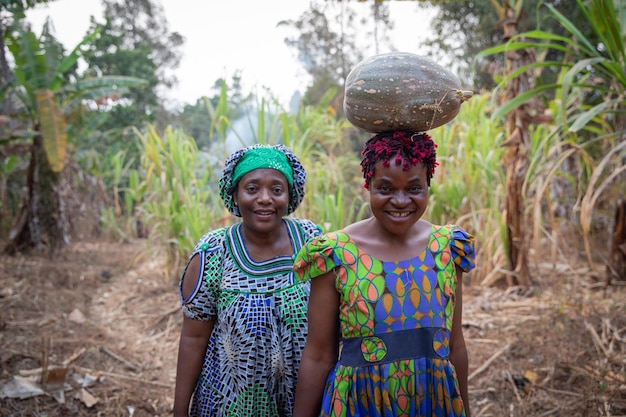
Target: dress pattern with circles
(381, 297)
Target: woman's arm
(194, 338)
(322, 346)
(458, 351)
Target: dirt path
(100, 310)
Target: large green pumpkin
(401, 91)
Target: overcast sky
(222, 37)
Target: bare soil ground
(101, 324)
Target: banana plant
(43, 92)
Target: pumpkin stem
(463, 95)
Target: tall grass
(334, 195)
(468, 185)
(180, 200)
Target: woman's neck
(263, 246)
(373, 239)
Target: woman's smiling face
(262, 196)
(398, 199)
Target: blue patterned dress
(252, 359)
(383, 307)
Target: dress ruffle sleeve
(316, 257)
(462, 247)
(202, 302)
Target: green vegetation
(98, 139)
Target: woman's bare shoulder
(358, 230)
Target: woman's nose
(265, 195)
(400, 199)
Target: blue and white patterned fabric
(260, 330)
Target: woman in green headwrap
(244, 324)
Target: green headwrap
(263, 157)
(295, 173)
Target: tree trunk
(40, 223)
(5, 71)
(516, 158)
(616, 265)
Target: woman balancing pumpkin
(244, 324)
(385, 335)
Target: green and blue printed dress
(260, 330)
(385, 309)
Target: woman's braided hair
(406, 148)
